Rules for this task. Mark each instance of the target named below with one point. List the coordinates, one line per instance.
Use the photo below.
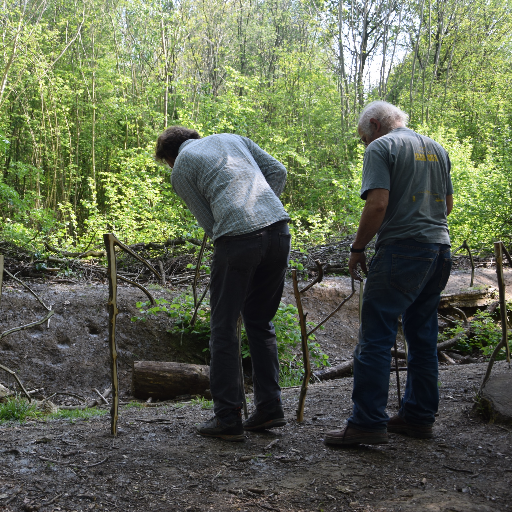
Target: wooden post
(110, 242)
(305, 349)
(498, 251)
(1, 275)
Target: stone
(496, 399)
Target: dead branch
(23, 327)
(17, 380)
(331, 314)
(319, 277)
(28, 288)
(440, 346)
(140, 287)
(446, 357)
(101, 396)
(466, 246)
(198, 266)
(194, 282)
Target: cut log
(335, 372)
(469, 298)
(166, 381)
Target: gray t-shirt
(416, 171)
(230, 184)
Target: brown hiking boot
(397, 425)
(351, 436)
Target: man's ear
(376, 124)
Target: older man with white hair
(408, 192)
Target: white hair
(390, 117)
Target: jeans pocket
(445, 273)
(244, 254)
(409, 272)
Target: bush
(484, 336)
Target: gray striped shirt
(230, 184)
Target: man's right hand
(357, 258)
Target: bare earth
(159, 463)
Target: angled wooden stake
(305, 349)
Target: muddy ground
(158, 463)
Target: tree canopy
(86, 87)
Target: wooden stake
(110, 242)
(305, 349)
(1, 275)
(498, 252)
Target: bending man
(232, 187)
(408, 193)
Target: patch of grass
(132, 404)
(76, 414)
(203, 402)
(17, 409)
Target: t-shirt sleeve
(375, 171)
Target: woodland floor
(159, 463)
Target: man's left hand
(357, 258)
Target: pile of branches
(175, 258)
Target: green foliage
(286, 324)
(85, 93)
(485, 334)
(17, 409)
(482, 204)
(203, 402)
(77, 414)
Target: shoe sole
(407, 431)
(280, 422)
(355, 441)
(226, 437)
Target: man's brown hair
(169, 142)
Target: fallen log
(167, 380)
(468, 298)
(335, 372)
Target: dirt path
(158, 463)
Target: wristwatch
(357, 250)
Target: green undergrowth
(203, 402)
(77, 414)
(18, 409)
(286, 322)
(484, 335)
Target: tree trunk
(166, 381)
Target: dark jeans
(247, 277)
(405, 278)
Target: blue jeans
(247, 277)
(405, 278)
